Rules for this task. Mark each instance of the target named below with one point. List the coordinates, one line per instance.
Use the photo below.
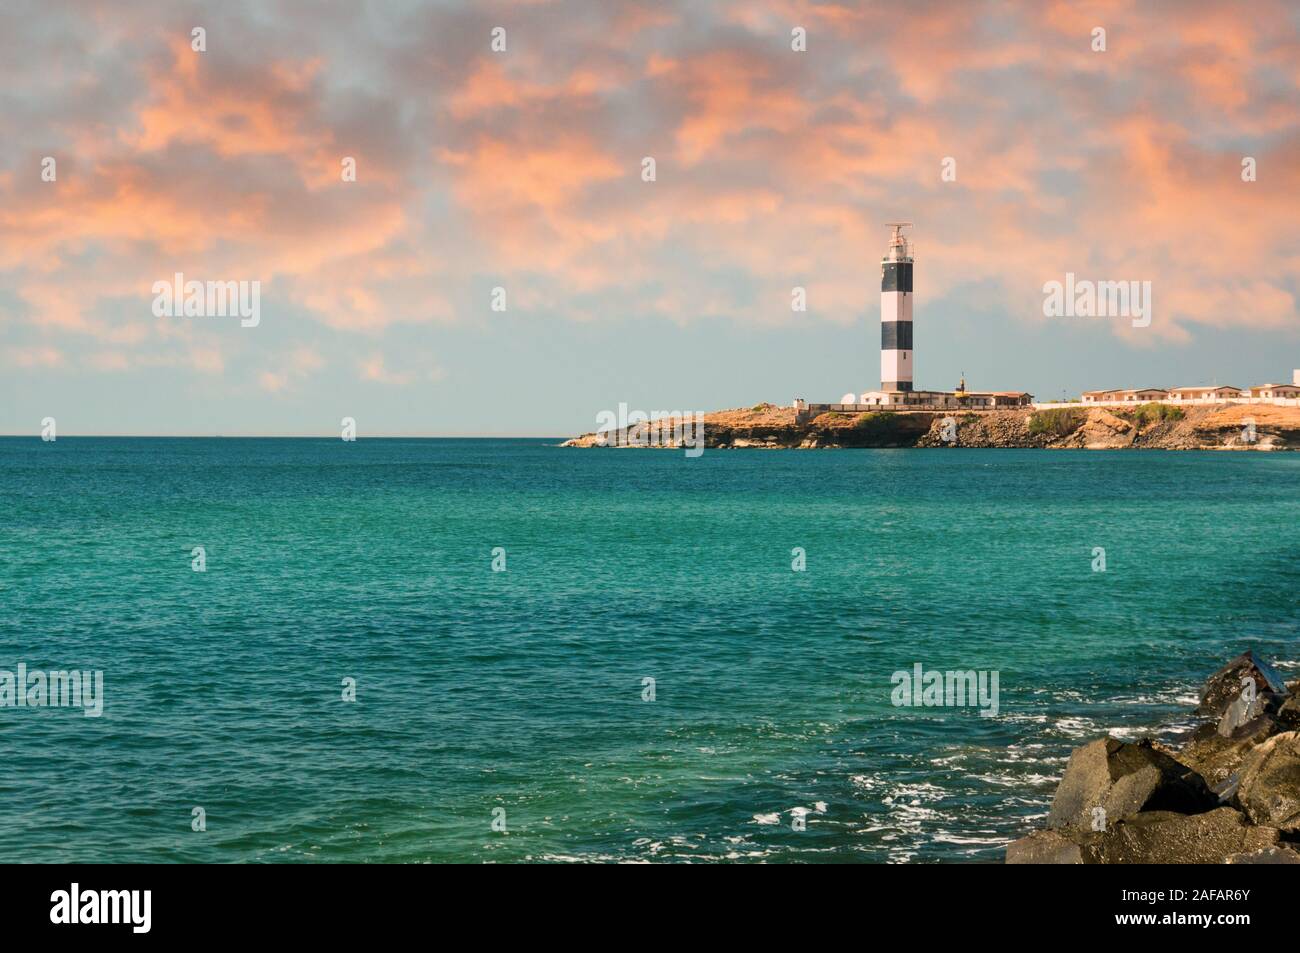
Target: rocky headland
(1229, 795)
(1150, 426)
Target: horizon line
(287, 436)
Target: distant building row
(1207, 393)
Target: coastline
(1147, 426)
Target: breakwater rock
(1230, 795)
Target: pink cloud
(775, 168)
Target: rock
(1226, 789)
(1258, 838)
(1153, 837)
(1224, 686)
(1242, 710)
(1232, 795)
(1122, 779)
(1163, 837)
(1269, 855)
(1269, 782)
(1103, 430)
(1215, 757)
(1044, 847)
(1289, 714)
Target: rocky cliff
(1153, 426)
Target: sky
(1020, 149)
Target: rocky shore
(1151, 426)
(1230, 795)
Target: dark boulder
(1224, 686)
(1044, 847)
(1163, 837)
(1153, 837)
(1289, 713)
(1232, 795)
(1243, 710)
(1269, 855)
(1122, 779)
(1268, 787)
(1215, 757)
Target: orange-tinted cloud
(775, 168)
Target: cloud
(775, 168)
(374, 369)
(298, 366)
(35, 357)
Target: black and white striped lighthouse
(896, 312)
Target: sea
(455, 650)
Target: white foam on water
(868, 782)
(1015, 780)
(1126, 733)
(1076, 727)
(1041, 778)
(992, 840)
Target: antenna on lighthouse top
(899, 247)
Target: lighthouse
(896, 312)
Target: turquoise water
(522, 689)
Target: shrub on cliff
(1153, 413)
(1058, 421)
(882, 424)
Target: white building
(1286, 391)
(1206, 392)
(1138, 395)
(945, 399)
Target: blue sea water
(523, 690)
